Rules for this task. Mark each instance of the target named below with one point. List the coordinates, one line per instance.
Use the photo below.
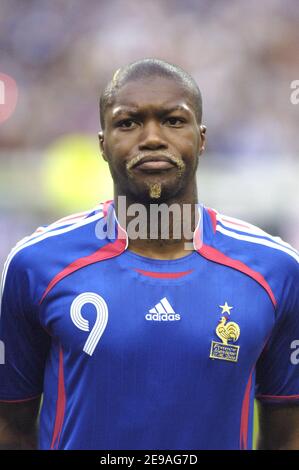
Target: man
(150, 342)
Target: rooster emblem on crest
(227, 331)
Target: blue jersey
(132, 352)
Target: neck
(161, 230)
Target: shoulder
(238, 232)
(268, 255)
(242, 231)
(33, 251)
(61, 226)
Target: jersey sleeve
(23, 342)
(277, 371)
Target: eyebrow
(134, 110)
(179, 107)
(124, 109)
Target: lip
(154, 163)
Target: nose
(152, 137)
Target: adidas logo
(162, 311)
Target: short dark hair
(145, 68)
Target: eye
(175, 121)
(126, 124)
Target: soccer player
(150, 342)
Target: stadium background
(244, 56)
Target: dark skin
(18, 425)
(153, 131)
(138, 121)
(154, 116)
(278, 427)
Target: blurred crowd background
(244, 56)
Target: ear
(101, 143)
(202, 144)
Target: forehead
(153, 93)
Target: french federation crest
(227, 332)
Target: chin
(155, 192)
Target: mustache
(162, 155)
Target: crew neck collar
(115, 233)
